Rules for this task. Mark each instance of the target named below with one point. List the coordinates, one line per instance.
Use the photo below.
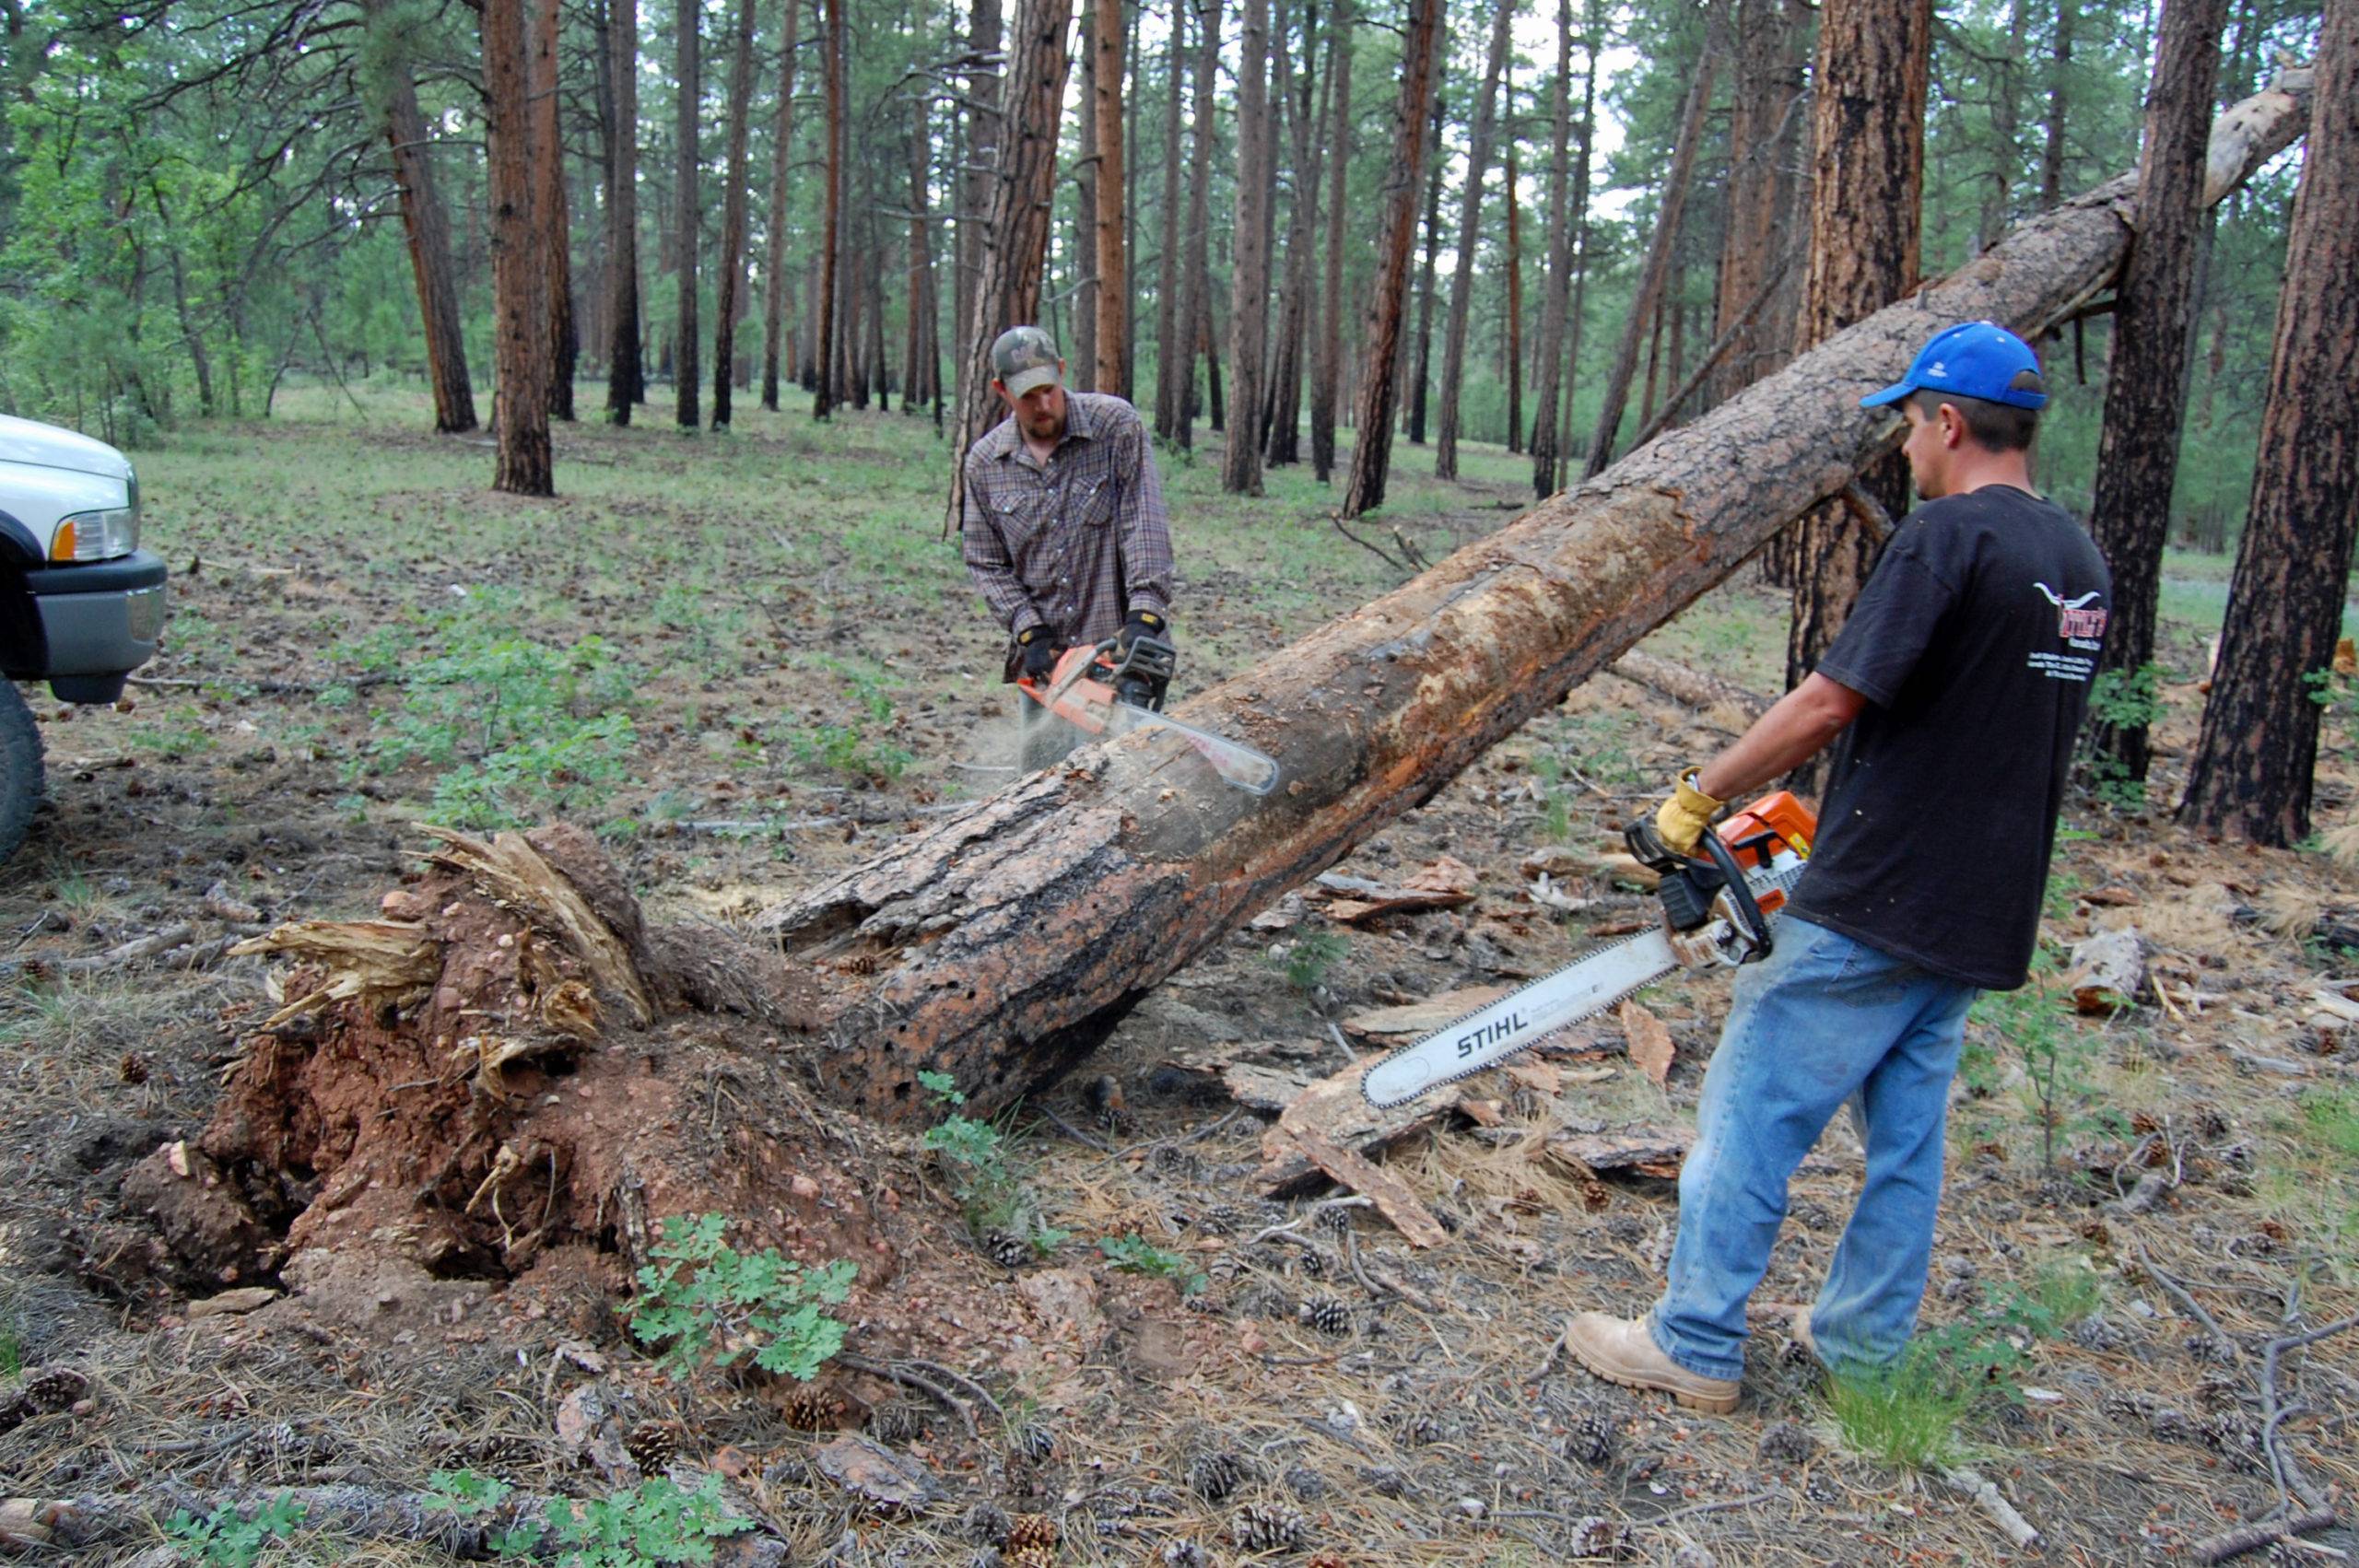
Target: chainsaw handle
(1751, 925)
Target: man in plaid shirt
(1063, 516)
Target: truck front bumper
(100, 620)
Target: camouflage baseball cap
(1026, 357)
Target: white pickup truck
(81, 605)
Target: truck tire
(21, 768)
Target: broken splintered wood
(1969, 1484)
(1388, 1192)
(2109, 972)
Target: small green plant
(1557, 824)
(225, 1538)
(2120, 699)
(704, 1301)
(2056, 1054)
(2330, 1119)
(1133, 1254)
(983, 1175)
(1310, 955)
(657, 1522)
(12, 1353)
(1906, 1416)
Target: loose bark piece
(1011, 938)
(1650, 1151)
(1390, 1193)
(1650, 1045)
(2109, 971)
(1445, 885)
(1424, 1017)
(1333, 1110)
(876, 1474)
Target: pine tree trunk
(984, 85)
(2251, 774)
(2006, 154)
(1559, 286)
(1330, 366)
(1081, 360)
(2145, 395)
(729, 290)
(1196, 306)
(520, 357)
(1283, 444)
(1868, 161)
(688, 212)
(824, 326)
(1420, 380)
(774, 283)
(1515, 302)
(1113, 290)
(1249, 303)
(1470, 220)
(1368, 716)
(1645, 306)
(1170, 319)
(1133, 86)
(1024, 181)
(2060, 66)
(1764, 98)
(1577, 313)
(918, 341)
(427, 230)
(625, 375)
(1372, 406)
(548, 208)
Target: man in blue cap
(1954, 690)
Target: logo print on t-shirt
(2074, 619)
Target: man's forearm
(1796, 729)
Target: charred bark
(519, 250)
(774, 283)
(2153, 332)
(2251, 772)
(1006, 941)
(625, 376)
(729, 291)
(1249, 304)
(1372, 408)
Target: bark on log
(1006, 943)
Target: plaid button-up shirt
(1074, 544)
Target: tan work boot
(1622, 1351)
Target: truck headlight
(96, 536)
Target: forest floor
(747, 661)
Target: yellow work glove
(1685, 817)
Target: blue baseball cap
(1972, 360)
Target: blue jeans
(1824, 1021)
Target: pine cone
(1596, 1536)
(1036, 1442)
(1269, 1526)
(54, 1388)
(1032, 1533)
(1207, 1302)
(1306, 1484)
(653, 1446)
(986, 1522)
(1007, 1249)
(1785, 1443)
(1337, 1219)
(1184, 1554)
(899, 1422)
(1325, 1560)
(133, 1067)
(1592, 1439)
(1328, 1315)
(1222, 1219)
(1029, 1556)
(496, 1451)
(813, 1409)
(1214, 1475)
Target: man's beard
(1045, 426)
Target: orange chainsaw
(1109, 690)
(1716, 909)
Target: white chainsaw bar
(1586, 987)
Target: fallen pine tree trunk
(1003, 945)
(508, 1064)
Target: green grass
(1906, 1417)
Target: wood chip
(232, 1302)
(1388, 1192)
(1446, 883)
(2109, 971)
(1424, 1017)
(1650, 1045)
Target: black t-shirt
(1974, 642)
